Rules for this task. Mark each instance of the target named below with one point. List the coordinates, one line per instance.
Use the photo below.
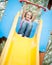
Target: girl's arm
(24, 10)
(23, 13)
(35, 14)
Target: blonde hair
(30, 12)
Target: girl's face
(28, 16)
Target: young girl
(26, 23)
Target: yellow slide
(21, 50)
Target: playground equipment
(17, 50)
(33, 4)
(8, 18)
(46, 30)
(20, 50)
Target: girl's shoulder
(23, 19)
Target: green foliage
(48, 55)
(41, 2)
(1, 46)
(2, 8)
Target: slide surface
(46, 30)
(13, 6)
(20, 50)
